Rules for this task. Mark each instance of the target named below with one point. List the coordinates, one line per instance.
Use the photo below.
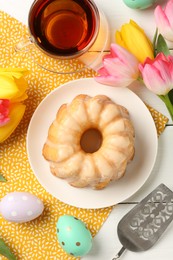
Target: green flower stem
(2, 179)
(169, 105)
(140, 80)
(5, 251)
(154, 42)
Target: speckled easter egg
(73, 236)
(139, 4)
(20, 207)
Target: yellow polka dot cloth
(36, 240)
(159, 119)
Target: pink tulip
(158, 74)
(4, 111)
(164, 20)
(120, 68)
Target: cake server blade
(142, 226)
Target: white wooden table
(106, 243)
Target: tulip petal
(120, 68)
(135, 40)
(170, 61)
(13, 88)
(143, 32)
(156, 83)
(4, 121)
(102, 71)
(19, 99)
(169, 11)
(137, 43)
(22, 86)
(117, 69)
(112, 81)
(16, 113)
(164, 65)
(157, 74)
(124, 56)
(119, 40)
(8, 88)
(163, 23)
(163, 68)
(4, 111)
(13, 72)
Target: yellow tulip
(13, 72)
(16, 113)
(13, 88)
(12, 84)
(133, 38)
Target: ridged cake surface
(90, 142)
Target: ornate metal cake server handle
(142, 226)
(119, 253)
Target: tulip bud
(120, 68)
(4, 111)
(164, 20)
(16, 113)
(12, 91)
(134, 39)
(157, 74)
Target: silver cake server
(142, 226)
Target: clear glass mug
(63, 30)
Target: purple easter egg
(21, 207)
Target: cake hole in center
(91, 140)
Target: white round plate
(138, 170)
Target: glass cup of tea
(65, 32)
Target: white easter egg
(21, 207)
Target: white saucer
(138, 170)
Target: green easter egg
(73, 236)
(139, 4)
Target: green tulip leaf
(162, 46)
(170, 94)
(2, 179)
(5, 251)
(154, 42)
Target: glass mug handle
(86, 58)
(24, 42)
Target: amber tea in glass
(64, 28)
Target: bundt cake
(90, 142)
